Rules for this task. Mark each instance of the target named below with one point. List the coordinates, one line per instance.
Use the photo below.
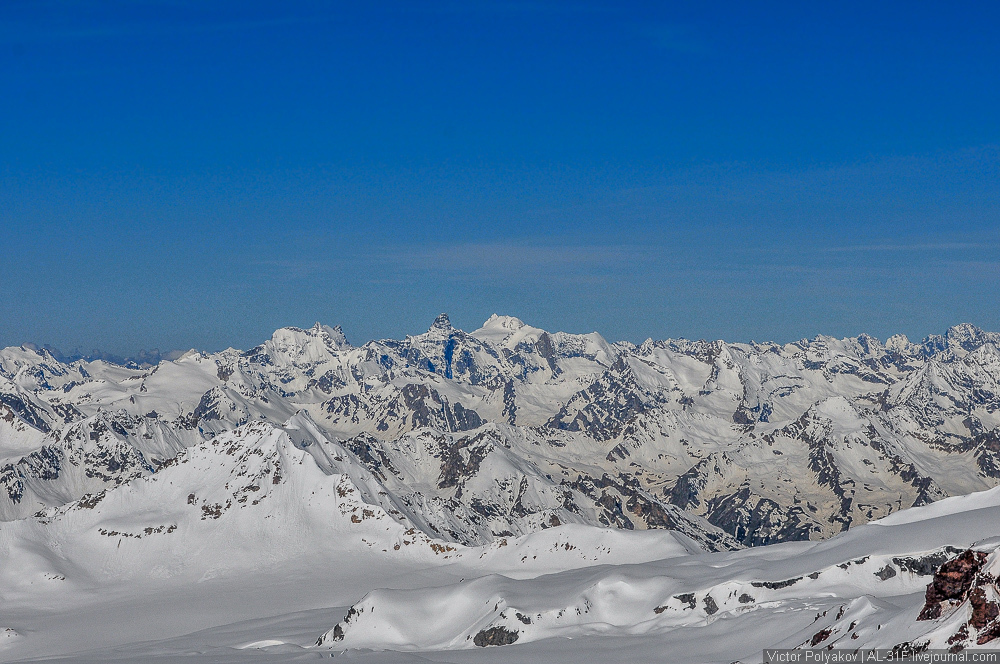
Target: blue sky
(186, 174)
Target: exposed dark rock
(886, 572)
(685, 491)
(961, 635)
(90, 500)
(905, 651)
(711, 607)
(987, 446)
(604, 408)
(990, 633)
(209, 407)
(687, 598)
(756, 521)
(926, 565)
(461, 460)
(495, 636)
(25, 410)
(775, 585)
(984, 611)
(951, 583)
(369, 452)
(462, 419)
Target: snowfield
(506, 495)
(253, 545)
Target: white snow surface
(267, 544)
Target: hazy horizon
(152, 353)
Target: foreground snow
(269, 544)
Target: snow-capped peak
(503, 322)
(334, 336)
(899, 343)
(442, 323)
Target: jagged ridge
(511, 429)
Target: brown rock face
(962, 579)
(951, 583)
(988, 634)
(983, 610)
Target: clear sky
(182, 174)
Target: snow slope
(271, 544)
(862, 589)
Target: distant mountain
(578, 499)
(509, 429)
(144, 358)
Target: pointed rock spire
(442, 322)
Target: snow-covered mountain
(511, 429)
(273, 543)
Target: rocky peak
(957, 341)
(333, 336)
(442, 324)
(899, 343)
(968, 336)
(869, 344)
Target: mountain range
(453, 492)
(510, 429)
